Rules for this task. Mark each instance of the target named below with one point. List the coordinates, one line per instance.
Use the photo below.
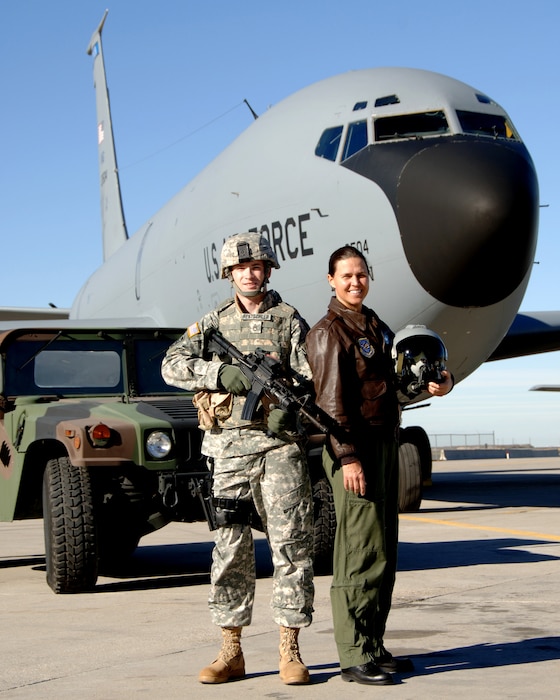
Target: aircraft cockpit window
(483, 98)
(356, 139)
(387, 100)
(493, 125)
(411, 126)
(329, 143)
(358, 106)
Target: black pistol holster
(232, 511)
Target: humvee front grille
(174, 409)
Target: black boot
(391, 664)
(368, 674)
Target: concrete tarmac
(476, 606)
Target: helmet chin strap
(254, 293)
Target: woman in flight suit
(349, 351)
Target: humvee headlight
(158, 444)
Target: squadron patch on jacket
(193, 329)
(366, 347)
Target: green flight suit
(365, 551)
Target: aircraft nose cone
(476, 204)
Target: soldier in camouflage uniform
(260, 460)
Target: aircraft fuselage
(423, 173)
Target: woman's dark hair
(347, 251)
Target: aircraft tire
(324, 527)
(69, 527)
(410, 478)
(418, 436)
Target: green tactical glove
(280, 421)
(233, 380)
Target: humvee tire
(69, 527)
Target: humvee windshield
(71, 363)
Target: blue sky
(178, 71)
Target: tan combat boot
(230, 662)
(292, 668)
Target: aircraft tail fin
(112, 214)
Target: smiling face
(249, 277)
(350, 282)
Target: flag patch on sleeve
(193, 329)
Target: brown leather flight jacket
(350, 356)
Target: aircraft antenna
(255, 115)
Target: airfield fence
(463, 440)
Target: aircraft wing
(545, 387)
(66, 324)
(16, 313)
(530, 333)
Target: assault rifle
(266, 377)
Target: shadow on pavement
(444, 555)
(166, 566)
(493, 489)
(526, 651)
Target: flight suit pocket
(363, 543)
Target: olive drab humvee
(95, 442)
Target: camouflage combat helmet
(244, 247)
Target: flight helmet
(419, 356)
(244, 247)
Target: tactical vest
(270, 330)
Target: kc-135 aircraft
(425, 174)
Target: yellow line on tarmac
(524, 533)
